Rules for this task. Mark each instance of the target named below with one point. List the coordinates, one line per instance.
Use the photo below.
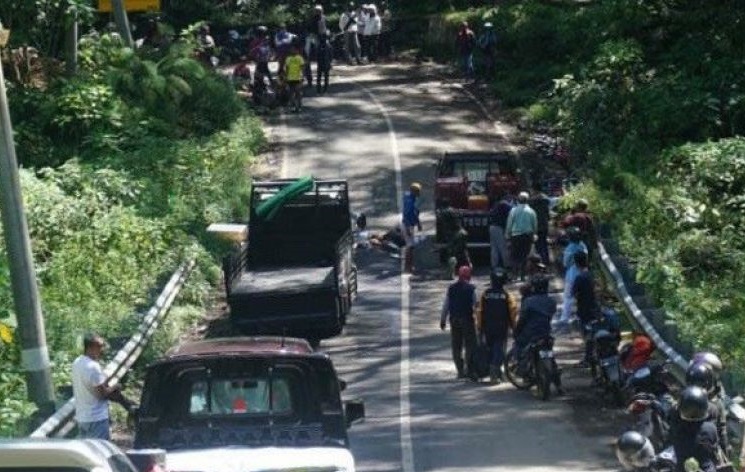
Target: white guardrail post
(61, 422)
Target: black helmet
(711, 359)
(539, 284)
(701, 375)
(634, 451)
(498, 278)
(574, 234)
(694, 404)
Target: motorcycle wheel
(510, 370)
(543, 383)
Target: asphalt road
(382, 127)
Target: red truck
(468, 184)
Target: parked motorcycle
(538, 367)
(605, 362)
(651, 417)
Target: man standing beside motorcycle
(495, 316)
(459, 305)
(534, 323)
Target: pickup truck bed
(284, 280)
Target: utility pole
(122, 21)
(34, 353)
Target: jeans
(94, 430)
(498, 247)
(462, 334)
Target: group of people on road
(366, 36)
(366, 31)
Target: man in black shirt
(497, 223)
(540, 203)
(583, 290)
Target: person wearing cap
(522, 225)
(458, 307)
(410, 222)
(348, 26)
(487, 43)
(496, 314)
(92, 393)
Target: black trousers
(462, 335)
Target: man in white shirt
(348, 26)
(92, 393)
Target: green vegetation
(123, 167)
(651, 96)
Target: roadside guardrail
(61, 423)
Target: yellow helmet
(416, 186)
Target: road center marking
(407, 447)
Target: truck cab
(246, 403)
(467, 185)
(294, 275)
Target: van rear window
(240, 396)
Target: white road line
(407, 446)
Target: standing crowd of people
(364, 37)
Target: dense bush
(124, 166)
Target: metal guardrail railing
(612, 272)
(62, 421)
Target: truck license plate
(475, 221)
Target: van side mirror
(354, 411)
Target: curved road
(381, 128)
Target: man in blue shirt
(410, 223)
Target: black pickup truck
(253, 404)
(294, 275)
